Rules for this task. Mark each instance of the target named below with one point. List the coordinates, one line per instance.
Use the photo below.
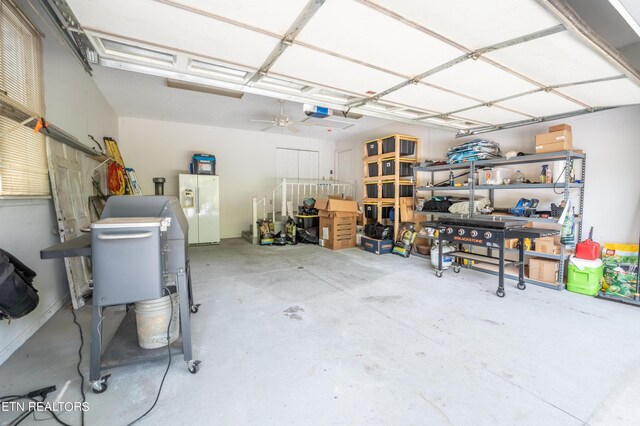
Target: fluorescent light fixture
(626, 15)
(217, 71)
(375, 107)
(463, 124)
(136, 53)
(334, 98)
(279, 84)
(439, 120)
(407, 114)
(203, 88)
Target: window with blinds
(23, 161)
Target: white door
(308, 165)
(65, 174)
(208, 209)
(297, 164)
(343, 166)
(188, 190)
(287, 163)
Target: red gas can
(588, 249)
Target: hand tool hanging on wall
(114, 151)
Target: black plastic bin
(388, 190)
(388, 167)
(407, 147)
(389, 145)
(373, 169)
(372, 190)
(372, 148)
(371, 211)
(406, 169)
(305, 222)
(386, 212)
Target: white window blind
(23, 161)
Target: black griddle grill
(487, 232)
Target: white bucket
(446, 260)
(152, 318)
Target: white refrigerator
(200, 200)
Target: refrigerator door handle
(197, 197)
(135, 236)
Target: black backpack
(17, 295)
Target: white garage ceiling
(469, 65)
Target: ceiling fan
(279, 120)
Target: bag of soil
(291, 234)
(266, 232)
(406, 237)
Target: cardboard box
(549, 245)
(337, 232)
(338, 219)
(554, 141)
(340, 197)
(511, 243)
(559, 128)
(377, 246)
(330, 205)
(544, 270)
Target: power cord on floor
(45, 391)
(84, 396)
(168, 364)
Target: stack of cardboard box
(558, 139)
(337, 223)
(548, 245)
(544, 270)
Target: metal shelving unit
(566, 156)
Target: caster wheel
(99, 387)
(194, 367)
(500, 292)
(456, 269)
(195, 308)
(522, 286)
(438, 274)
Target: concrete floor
(304, 335)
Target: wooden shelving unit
(392, 153)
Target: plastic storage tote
(387, 212)
(389, 167)
(371, 211)
(372, 148)
(406, 147)
(372, 190)
(372, 169)
(389, 189)
(494, 175)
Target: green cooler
(583, 276)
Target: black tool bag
(18, 297)
(378, 231)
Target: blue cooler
(203, 164)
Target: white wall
(74, 104)
(609, 138)
(246, 160)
